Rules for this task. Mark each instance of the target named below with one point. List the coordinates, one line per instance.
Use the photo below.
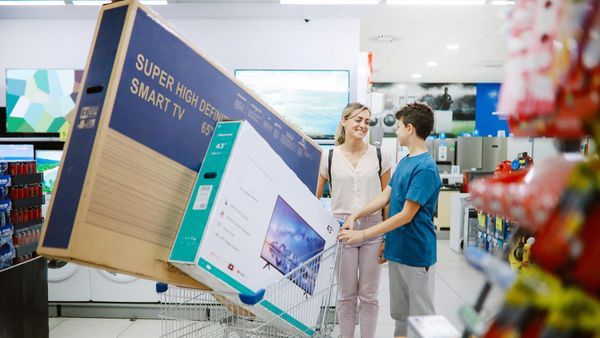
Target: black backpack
(330, 159)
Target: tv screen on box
(290, 242)
(39, 100)
(312, 100)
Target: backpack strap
(329, 160)
(379, 158)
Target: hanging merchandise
(551, 85)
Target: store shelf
(26, 249)
(27, 179)
(28, 202)
(20, 227)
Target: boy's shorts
(411, 293)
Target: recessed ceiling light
(437, 2)
(431, 63)
(32, 3)
(155, 2)
(417, 75)
(453, 47)
(329, 2)
(385, 38)
(90, 2)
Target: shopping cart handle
(161, 287)
(252, 299)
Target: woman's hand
(351, 236)
(349, 223)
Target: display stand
(24, 300)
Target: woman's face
(357, 125)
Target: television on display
(16, 152)
(311, 100)
(40, 100)
(290, 241)
(47, 162)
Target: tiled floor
(456, 284)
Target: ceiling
(419, 33)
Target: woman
(357, 176)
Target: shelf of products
(21, 218)
(558, 294)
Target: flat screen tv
(16, 152)
(290, 241)
(39, 100)
(312, 100)
(47, 162)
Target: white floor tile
(54, 322)
(90, 328)
(143, 329)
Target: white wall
(235, 44)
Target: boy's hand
(349, 223)
(381, 248)
(351, 236)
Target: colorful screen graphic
(38, 100)
(16, 152)
(47, 163)
(290, 242)
(311, 100)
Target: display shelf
(26, 249)
(28, 202)
(27, 179)
(19, 227)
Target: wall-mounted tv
(16, 152)
(290, 241)
(312, 100)
(47, 162)
(39, 100)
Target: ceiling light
(437, 2)
(453, 47)
(431, 63)
(417, 75)
(385, 38)
(90, 2)
(155, 2)
(330, 2)
(32, 3)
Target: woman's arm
(321, 181)
(385, 179)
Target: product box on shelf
(250, 221)
(142, 125)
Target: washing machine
(107, 286)
(68, 282)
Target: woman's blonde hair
(351, 110)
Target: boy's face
(403, 133)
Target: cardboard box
(143, 123)
(249, 222)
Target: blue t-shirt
(416, 179)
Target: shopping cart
(198, 313)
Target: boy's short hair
(419, 115)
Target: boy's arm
(408, 212)
(376, 204)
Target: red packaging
(13, 193)
(39, 190)
(31, 214)
(32, 167)
(32, 191)
(12, 167)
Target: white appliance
(109, 286)
(517, 145)
(68, 282)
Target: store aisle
(456, 284)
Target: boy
(410, 242)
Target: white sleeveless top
(353, 188)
